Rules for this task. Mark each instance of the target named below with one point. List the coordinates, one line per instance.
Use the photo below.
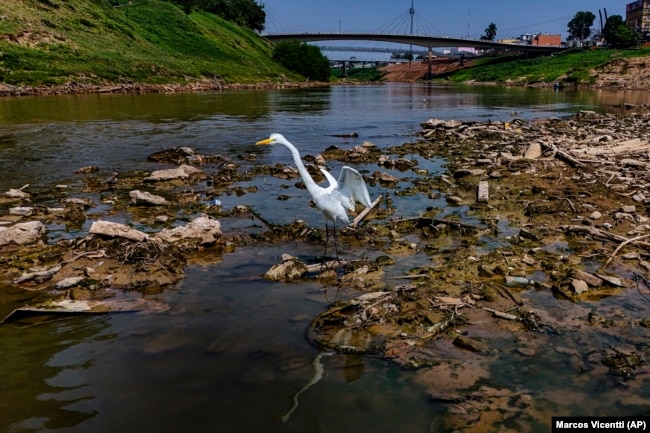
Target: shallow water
(230, 352)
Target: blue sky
(458, 18)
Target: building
(546, 40)
(509, 41)
(637, 16)
(541, 39)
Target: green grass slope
(49, 42)
(572, 66)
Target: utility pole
(411, 12)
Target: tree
(244, 13)
(305, 59)
(490, 32)
(580, 26)
(617, 34)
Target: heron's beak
(267, 141)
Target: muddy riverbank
(129, 87)
(618, 74)
(554, 208)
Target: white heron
(335, 200)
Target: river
(230, 354)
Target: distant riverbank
(604, 69)
(74, 88)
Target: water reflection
(44, 374)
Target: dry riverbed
(556, 207)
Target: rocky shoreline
(78, 88)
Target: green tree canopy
(617, 34)
(244, 13)
(490, 32)
(580, 26)
(305, 59)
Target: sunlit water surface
(230, 352)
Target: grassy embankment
(49, 42)
(573, 66)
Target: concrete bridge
(423, 41)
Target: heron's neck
(306, 177)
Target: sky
(458, 18)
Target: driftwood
(40, 276)
(629, 241)
(593, 231)
(560, 154)
(501, 314)
(409, 277)
(508, 294)
(601, 234)
(365, 212)
(626, 147)
(330, 264)
(430, 221)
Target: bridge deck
(423, 41)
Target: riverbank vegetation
(49, 42)
(573, 66)
(305, 59)
(359, 74)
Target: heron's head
(273, 138)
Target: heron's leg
(327, 238)
(336, 243)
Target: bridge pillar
(429, 66)
(344, 70)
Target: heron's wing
(351, 184)
(330, 178)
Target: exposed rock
(201, 231)
(290, 269)
(386, 178)
(87, 169)
(18, 193)
(117, 230)
(85, 202)
(588, 278)
(534, 151)
(579, 286)
(146, 198)
(21, 210)
(471, 344)
(22, 233)
(183, 172)
(176, 155)
(66, 283)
